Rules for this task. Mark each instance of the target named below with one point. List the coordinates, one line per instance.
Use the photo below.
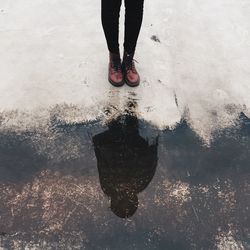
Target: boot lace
(130, 64)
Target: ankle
(114, 55)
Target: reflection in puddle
(57, 186)
(126, 163)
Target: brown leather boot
(115, 75)
(131, 75)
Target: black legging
(133, 21)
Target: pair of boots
(122, 72)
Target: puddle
(124, 185)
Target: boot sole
(115, 84)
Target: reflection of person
(125, 71)
(126, 164)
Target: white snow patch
(54, 53)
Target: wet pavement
(162, 166)
(124, 184)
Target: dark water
(124, 185)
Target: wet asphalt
(124, 185)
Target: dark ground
(68, 187)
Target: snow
(53, 52)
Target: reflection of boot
(115, 70)
(131, 75)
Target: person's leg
(133, 21)
(110, 12)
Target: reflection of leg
(119, 105)
(110, 22)
(133, 21)
(131, 107)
